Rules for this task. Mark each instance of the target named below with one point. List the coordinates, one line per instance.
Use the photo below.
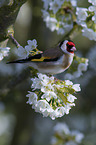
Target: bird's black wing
(35, 58)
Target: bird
(52, 61)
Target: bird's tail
(18, 61)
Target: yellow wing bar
(40, 59)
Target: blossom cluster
(63, 136)
(86, 17)
(78, 66)
(52, 97)
(57, 14)
(4, 52)
(24, 52)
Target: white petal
(32, 98)
(76, 87)
(4, 52)
(71, 98)
(68, 82)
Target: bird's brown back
(53, 52)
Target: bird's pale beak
(73, 48)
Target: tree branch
(8, 14)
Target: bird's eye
(69, 46)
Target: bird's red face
(70, 47)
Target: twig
(14, 40)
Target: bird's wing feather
(53, 53)
(38, 57)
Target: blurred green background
(19, 124)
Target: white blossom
(92, 8)
(46, 3)
(54, 140)
(59, 112)
(78, 135)
(68, 82)
(51, 23)
(76, 87)
(43, 105)
(61, 23)
(24, 52)
(46, 15)
(55, 21)
(36, 83)
(83, 24)
(32, 44)
(45, 79)
(74, 3)
(77, 74)
(69, 76)
(56, 5)
(81, 67)
(70, 143)
(49, 86)
(92, 1)
(62, 129)
(71, 98)
(63, 27)
(89, 33)
(94, 18)
(88, 29)
(32, 98)
(48, 96)
(4, 52)
(67, 107)
(81, 13)
(61, 31)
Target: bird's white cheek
(63, 47)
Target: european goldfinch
(52, 61)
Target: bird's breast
(67, 61)
(52, 67)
